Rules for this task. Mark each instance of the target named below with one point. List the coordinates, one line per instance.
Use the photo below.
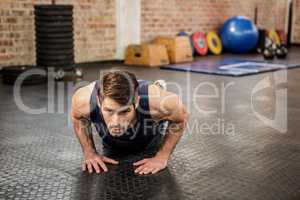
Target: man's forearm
(83, 132)
(173, 134)
(87, 143)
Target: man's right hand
(94, 161)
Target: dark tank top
(135, 139)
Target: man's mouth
(116, 131)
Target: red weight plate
(200, 43)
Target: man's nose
(115, 119)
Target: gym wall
(296, 22)
(95, 23)
(273, 14)
(171, 16)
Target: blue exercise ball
(239, 35)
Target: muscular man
(128, 115)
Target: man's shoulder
(161, 101)
(81, 100)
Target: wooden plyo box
(179, 48)
(151, 55)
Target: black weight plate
(48, 61)
(61, 6)
(53, 7)
(46, 18)
(53, 31)
(50, 58)
(56, 64)
(58, 37)
(55, 40)
(58, 9)
(51, 24)
(59, 61)
(53, 10)
(55, 35)
(63, 29)
(55, 46)
(54, 24)
(55, 52)
(53, 13)
(55, 57)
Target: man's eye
(109, 111)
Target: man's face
(117, 117)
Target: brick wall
(17, 32)
(296, 22)
(94, 28)
(168, 17)
(272, 14)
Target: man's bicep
(80, 118)
(80, 107)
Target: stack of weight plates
(54, 36)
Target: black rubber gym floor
(40, 156)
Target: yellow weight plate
(214, 43)
(273, 35)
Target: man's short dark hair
(120, 86)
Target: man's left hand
(150, 165)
